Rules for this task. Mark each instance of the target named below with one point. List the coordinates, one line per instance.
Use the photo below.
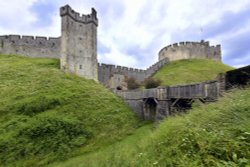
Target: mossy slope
(47, 115)
(214, 135)
(189, 71)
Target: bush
(132, 83)
(152, 83)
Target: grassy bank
(189, 71)
(217, 134)
(47, 115)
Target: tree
(132, 83)
(152, 83)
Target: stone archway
(118, 88)
(150, 108)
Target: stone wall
(30, 46)
(190, 50)
(155, 67)
(107, 71)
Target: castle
(77, 50)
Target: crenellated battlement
(30, 40)
(188, 50)
(85, 19)
(107, 71)
(127, 70)
(117, 68)
(155, 67)
(189, 44)
(79, 43)
(32, 46)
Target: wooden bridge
(158, 103)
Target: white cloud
(146, 26)
(15, 16)
(117, 58)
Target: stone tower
(191, 50)
(79, 43)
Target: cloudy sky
(131, 32)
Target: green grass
(49, 118)
(217, 134)
(112, 155)
(47, 115)
(189, 71)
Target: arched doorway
(118, 88)
(149, 109)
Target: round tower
(191, 50)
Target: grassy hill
(217, 135)
(47, 115)
(51, 118)
(189, 71)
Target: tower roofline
(85, 19)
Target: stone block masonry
(113, 76)
(30, 46)
(191, 50)
(79, 43)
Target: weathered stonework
(191, 50)
(106, 73)
(30, 46)
(79, 43)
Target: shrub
(132, 83)
(152, 83)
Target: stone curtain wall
(106, 71)
(189, 50)
(30, 46)
(155, 67)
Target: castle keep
(77, 50)
(189, 50)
